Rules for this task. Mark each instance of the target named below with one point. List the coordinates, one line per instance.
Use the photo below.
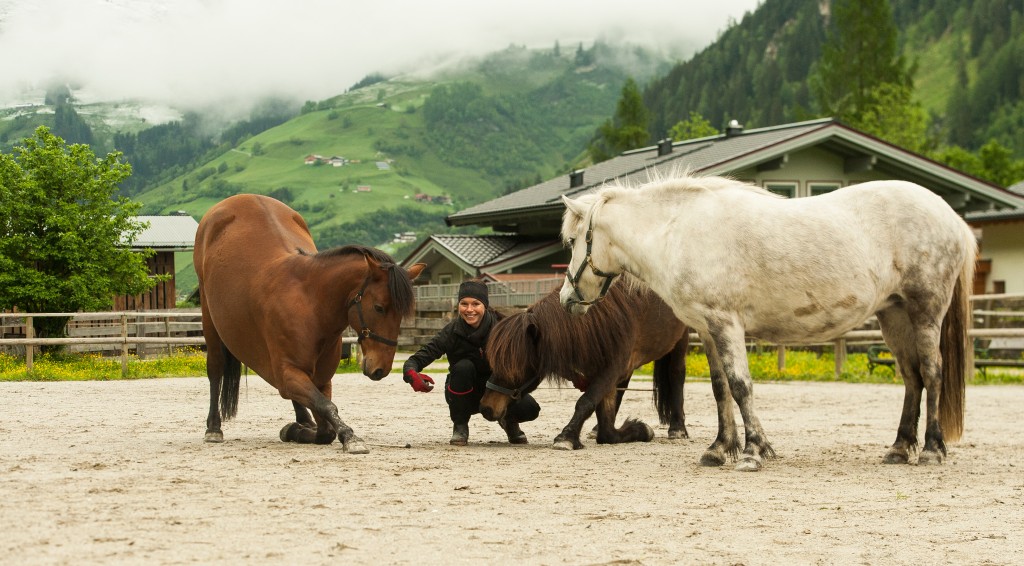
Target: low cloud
(199, 52)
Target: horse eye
(379, 309)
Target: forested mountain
(966, 60)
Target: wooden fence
(116, 332)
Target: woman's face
(472, 311)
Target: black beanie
(474, 289)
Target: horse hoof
(355, 446)
(929, 458)
(562, 445)
(214, 436)
(677, 434)
(648, 433)
(895, 458)
(712, 459)
(749, 464)
(592, 435)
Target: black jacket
(459, 341)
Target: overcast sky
(197, 51)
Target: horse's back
(252, 228)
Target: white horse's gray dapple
(736, 261)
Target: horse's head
(584, 281)
(512, 354)
(385, 299)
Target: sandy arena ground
(118, 473)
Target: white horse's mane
(678, 182)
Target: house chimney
(576, 179)
(733, 129)
(665, 147)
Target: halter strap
(516, 393)
(589, 260)
(357, 302)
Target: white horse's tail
(954, 343)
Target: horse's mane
(567, 346)
(668, 187)
(403, 297)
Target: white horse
(736, 261)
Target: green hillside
(497, 124)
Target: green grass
(189, 362)
(800, 366)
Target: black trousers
(464, 388)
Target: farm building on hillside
(165, 235)
(796, 160)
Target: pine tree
(626, 130)
(860, 55)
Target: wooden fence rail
(139, 320)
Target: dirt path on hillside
(117, 472)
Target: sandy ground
(118, 473)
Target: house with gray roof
(165, 235)
(796, 160)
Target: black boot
(511, 428)
(460, 434)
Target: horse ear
(371, 262)
(574, 206)
(533, 331)
(416, 269)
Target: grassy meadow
(191, 362)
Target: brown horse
(271, 302)
(630, 327)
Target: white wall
(1004, 245)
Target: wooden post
(124, 345)
(30, 332)
(781, 357)
(839, 352)
(167, 332)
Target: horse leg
(619, 391)
(726, 446)
(670, 375)
(569, 438)
(731, 345)
(632, 430)
(297, 386)
(919, 361)
(305, 430)
(215, 364)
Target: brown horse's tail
(229, 384)
(954, 343)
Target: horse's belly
(803, 327)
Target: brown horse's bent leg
(304, 430)
(633, 430)
(299, 388)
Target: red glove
(419, 382)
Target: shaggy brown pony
(630, 327)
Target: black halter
(516, 393)
(357, 302)
(588, 260)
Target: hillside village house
(796, 160)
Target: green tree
(895, 118)
(64, 236)
(693, 127)
(860, 54)
(626, 130)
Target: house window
(822, 188)
(787, 190)
(999, 287)
(444, 279)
